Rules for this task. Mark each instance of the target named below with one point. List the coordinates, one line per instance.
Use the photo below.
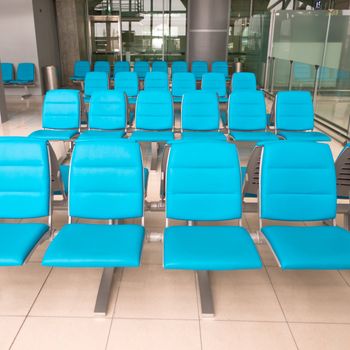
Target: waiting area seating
(95, 81)
(7, 72)
(179, 67)
(102, 66)
(128, 83)
(243, 81)
(156, 80)
(80, 70)
(121, 66)
(141, 68)
(221, 67)
(198, 68)
(182, 83)
(215, 82)
(160, 66)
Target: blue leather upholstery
(95, 81)
(54, 135)
(313, 247)
(243, 81)
(102, 66)
(304, 136)
(200, 111)
(181, 84)
(141, 68)
(216, 83)
(247, 113)
(128, 83)
(199, 135)
(196, 181)
(100, 135)
(156, 81)
(152, 136)
(179, 67)
(25, 74)
(108, 110)
(7, 72)
(106, 180)
(154, 110)
(91, 245)
(18, 240)
(199, 68)
(220, 67)
(160, 66)
(121, 66)
(80, 70)
(197, 189)
(209, 248)
(298, 181)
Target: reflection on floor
(44, 308)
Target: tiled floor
(150, 308)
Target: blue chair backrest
(220, 67)
(183, 83)
(106, 180)
(214, 82)
(127, 82)
(141, 68)
(108, 110)
(247, 110)
(102, 66)
(200, 111)
(81, 68)
(61, 109)
(294, 110)
(160, 66)
(199, 68)
(203, 181)
(24, 178)
(25, 72)
(243, 81)
(121, 66)
(7, 72)
(298, 181)
(179, 67)
(156, 81)
(154, 110)
(95, 81)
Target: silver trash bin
(237, 67)
(50, 78)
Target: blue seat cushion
(177, 99)
(311, 247)
(55, 135)
(304, 136)
(94, 245)
(202, 135)
(18, 240)
(223, 99)
(99, 134)
(76, 78)
(22, 82)
(253, 136)
(209, 248)
(152, 136)
(132, 100)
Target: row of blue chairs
(203, 183)
(25, 74)
(198, 68)
(200, 113)
(128, 82)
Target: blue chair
(107, 116)
(102, 66)
(141, 68)
(105, 183)
(200, 116)
(156, 81)
(179, 67)
(199, 68)
(121, 66)
(25, 74)
(154, 117)
(80, 70)
(216, 83)
(24, 194)
(160, 66)
(247, 116)
(61, 116)
(298, 183)
(220, 67)
(243, 81)
(203, 183)
(181, 84)
(7, 72)
(95, 81)
(294, 117)
(128, 83)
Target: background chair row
(142, 67)
(106, 182)
(25, 74)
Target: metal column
(104, 291)
(206, 297)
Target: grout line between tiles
(343, 278)
(198, 310)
